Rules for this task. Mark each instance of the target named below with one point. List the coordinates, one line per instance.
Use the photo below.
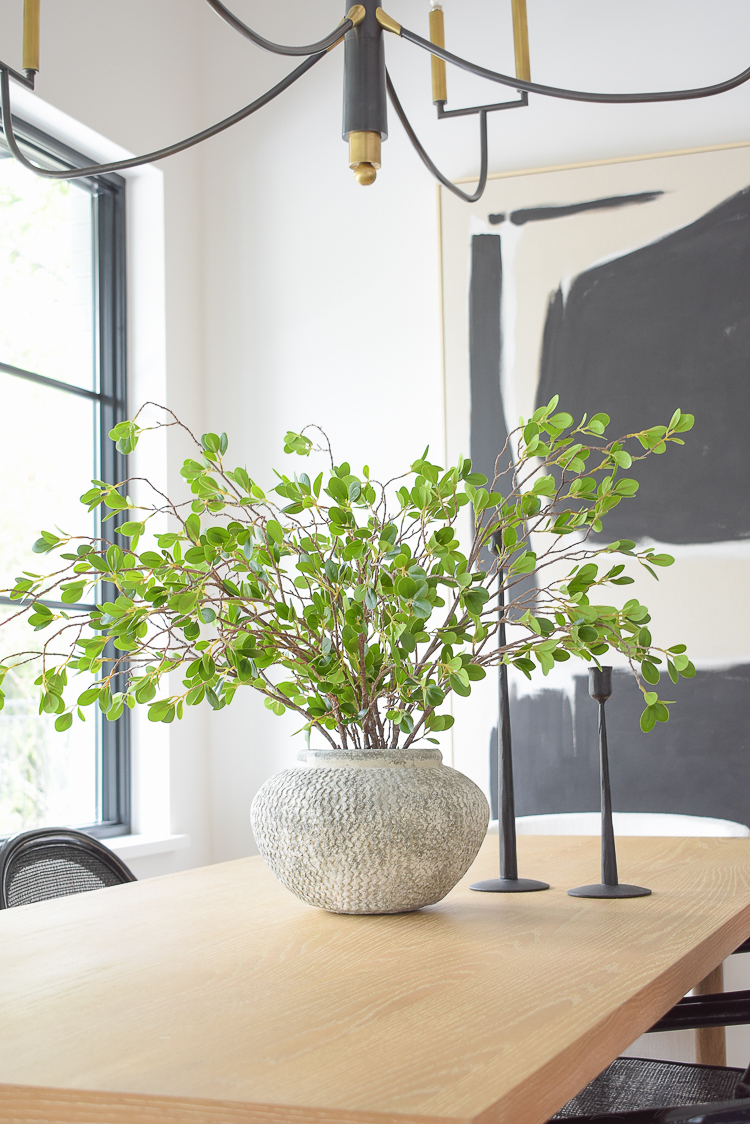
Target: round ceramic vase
(376, 831)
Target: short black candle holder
(600, 689)
(508, 882)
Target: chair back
(53, 862)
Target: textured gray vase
(377, 831)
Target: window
(62, 379)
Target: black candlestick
(600, 689)
(508, 882)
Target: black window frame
(109, 230)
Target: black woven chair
(647, 1091)
(53, 862)
(642, 1091)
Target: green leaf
(131, 529)
(525, 563)
(562, 420)
(475, 673)
(45, 544)
(64, 722)
(660, 712)
(649, 672)
(297, 443)
(125, 434)
(211, 442)
(89, 696)
(598, 423)
(648, 719)
(160, 710)
(545, 486)
(440, 722)
(193, 527)
(115, 501)
(115, 711)
(475, 599)
(275, 532)
(686, 422)
(72, 594)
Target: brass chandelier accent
(367, 88)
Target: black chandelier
(367, 87)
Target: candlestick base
(510, 886)
(599, 890)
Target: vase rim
(419, 756)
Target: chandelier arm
(276, 48)
(574, 95)
(476, 195)
(160, 154)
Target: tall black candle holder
(508, 882)
(600, 689)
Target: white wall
(295, 296)
(322, 297)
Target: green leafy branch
(354, 603)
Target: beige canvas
(540, 259)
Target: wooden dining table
(213, 996)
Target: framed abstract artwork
(624, 287)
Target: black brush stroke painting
(695, 764)
(666, 325)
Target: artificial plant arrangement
(351, 602)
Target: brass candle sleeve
(364, 156)
(439, 78)
(31, 36)
(520, 40)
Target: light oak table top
(213, 996)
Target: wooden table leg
(711, 1042)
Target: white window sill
(139, 846)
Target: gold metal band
(31, 35)
(437, 36)
(521, 40)
(364, 156)
(356, 14)
(386, 22)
